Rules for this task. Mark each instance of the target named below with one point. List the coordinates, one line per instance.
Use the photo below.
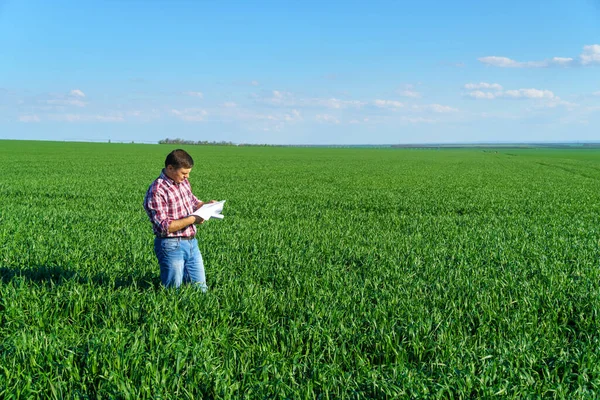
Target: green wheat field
(336, 273)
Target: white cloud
(326, 118)
(556, 101)
(438, 108)
(143, 115)
(73, 99)
(512, 94)
(396, 105)
(388, 104)
(410, 93)
(29, 118)
(335, 103)
(69, 117)
(529, 94)
(356, 121)
(561, 61)
(287, 99)
(279, 98)
(483, 85)
(76, 93)
(245, 115)
(86, 118)
(194, 94)
(190, 114)
(67, 102)
(408, 90)
(478, 94)
(229, 104)
(263, 122)
(590, 54)
(505, 62)
(254, 83)
(293, 116)
(108, 118)
(499, 61)
(280, 95)
(257, 121)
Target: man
(169, 203)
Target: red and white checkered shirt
(167, 201)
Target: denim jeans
(180, 262)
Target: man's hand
(201, 203)
(197, 220)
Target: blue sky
(300, 72)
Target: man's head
(178, 165)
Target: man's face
(178, 175)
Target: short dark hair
(179, 159)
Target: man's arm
(179, 224)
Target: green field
(336, 273)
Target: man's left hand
(201, 203)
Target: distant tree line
(206, 142)
(199, 142)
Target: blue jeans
(180, 261)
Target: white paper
(210, 210)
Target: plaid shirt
(167, 201)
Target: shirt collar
(165, 178)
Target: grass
(337, 273)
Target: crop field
(336, 273)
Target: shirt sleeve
(194, 199)
(157, 208)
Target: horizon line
(225, 143)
